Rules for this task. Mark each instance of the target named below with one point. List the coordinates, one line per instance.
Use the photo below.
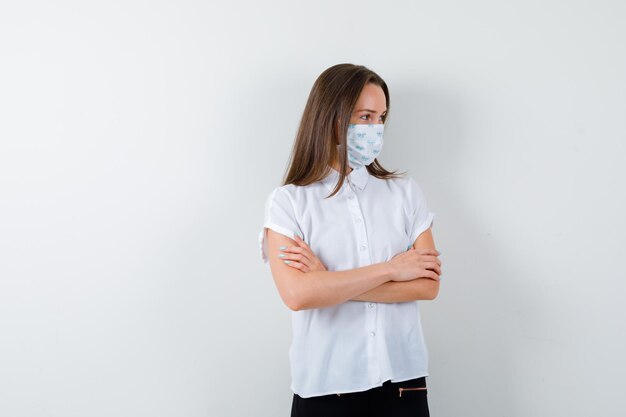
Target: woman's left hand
(302, 257)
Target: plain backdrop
(139, 140)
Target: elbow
(293, 305)
(299, 295)
(297, 306)
(294, 301)
(300, 301)
(433, 291)
(290, 291)
(291, 302)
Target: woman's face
(371, 107)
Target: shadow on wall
(470, 327)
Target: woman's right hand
(416, 263)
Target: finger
(296, 250)
(432, 278)
(305, 268)
(304, 254)
(434, 270)
(305, 248)
(294, 264)
(433, 266)
(301, 241)
(431, 274)
(300, 258)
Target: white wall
(138, 141)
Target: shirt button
(358, 220)
(363, 247)
(351, 197)
(372, 333)
(370, 305)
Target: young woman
(351, 251)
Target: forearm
(327, 288)
(401, 291)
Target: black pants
(392, 399)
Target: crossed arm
(304, 285)
(402, 291)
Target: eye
(366, 116)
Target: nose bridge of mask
(365, 127)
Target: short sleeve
(280, 217)
(420, 217)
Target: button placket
(357, 215)
(372, 346)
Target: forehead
(372, 97)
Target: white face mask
(364, 143)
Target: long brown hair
(324, 124)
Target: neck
(336, 166)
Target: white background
(139, 139)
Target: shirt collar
(357, 177)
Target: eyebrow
(371, 111)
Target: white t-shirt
(355, 345)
